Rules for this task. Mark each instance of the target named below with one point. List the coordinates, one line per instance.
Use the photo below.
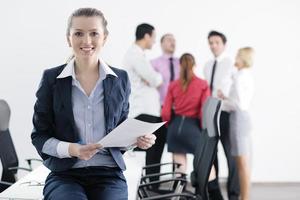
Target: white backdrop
(33, 38)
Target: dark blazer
(53, 113)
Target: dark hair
(164, 36)
(187, 62)
(87, 12)
(216, 33)
(142, 30)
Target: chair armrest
(32, 159)
(5, 183)
(162, 174)
(21, 168)
(168, 196)
(162, 181)
(161, 164)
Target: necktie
(171, 69)
(212, 76)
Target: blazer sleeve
(43, 115)
(125, 107)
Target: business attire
(144, 98)
(64, 114)
(218, 72)
(185, 128)
(238, 102)
(169, 69)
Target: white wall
(33, 38)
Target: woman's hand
(83, 152)
(146, 141)
(220, 94)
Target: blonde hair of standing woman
(246, 55)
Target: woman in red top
(186, 97)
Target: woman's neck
(86, 66)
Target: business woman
(77, 104)
(239, 102)
(186, 96)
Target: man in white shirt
(144, 100)
(218, 72)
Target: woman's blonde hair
(246, 55)
(86, 12)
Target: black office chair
(207, 149)
(8, 155)
(203, 158)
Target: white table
(28, 187)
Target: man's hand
(221, 95)
(84, 152)
(146, 82)
(146, 141)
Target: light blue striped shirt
(89, 119)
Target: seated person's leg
(62, 188)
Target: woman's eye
(78, 34)
(94, 34)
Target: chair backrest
(8, 153)
(4, 115)
(206, 149)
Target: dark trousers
(233, 186)
(154, 154)
(90, 183)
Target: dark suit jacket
(53, 114)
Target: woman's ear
(69, 42)
(105, 38)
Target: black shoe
(233, 197)
(214, 191)
(215, 195)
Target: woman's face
(86, 37)
(239, 64)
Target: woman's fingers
(146, 141)
(86, 152)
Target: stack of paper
(126, 133)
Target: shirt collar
(138, 48)
(70, 71)
(167, 56)
(221, 56)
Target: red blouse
(187, 103)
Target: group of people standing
(167, 89)
(79, 102)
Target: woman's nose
(87, 39)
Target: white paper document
(127, 132)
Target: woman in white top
(238, 102)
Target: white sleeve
(56, 148)
(63, 149)
(227, 77)
(145, 70)
(243, 91)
